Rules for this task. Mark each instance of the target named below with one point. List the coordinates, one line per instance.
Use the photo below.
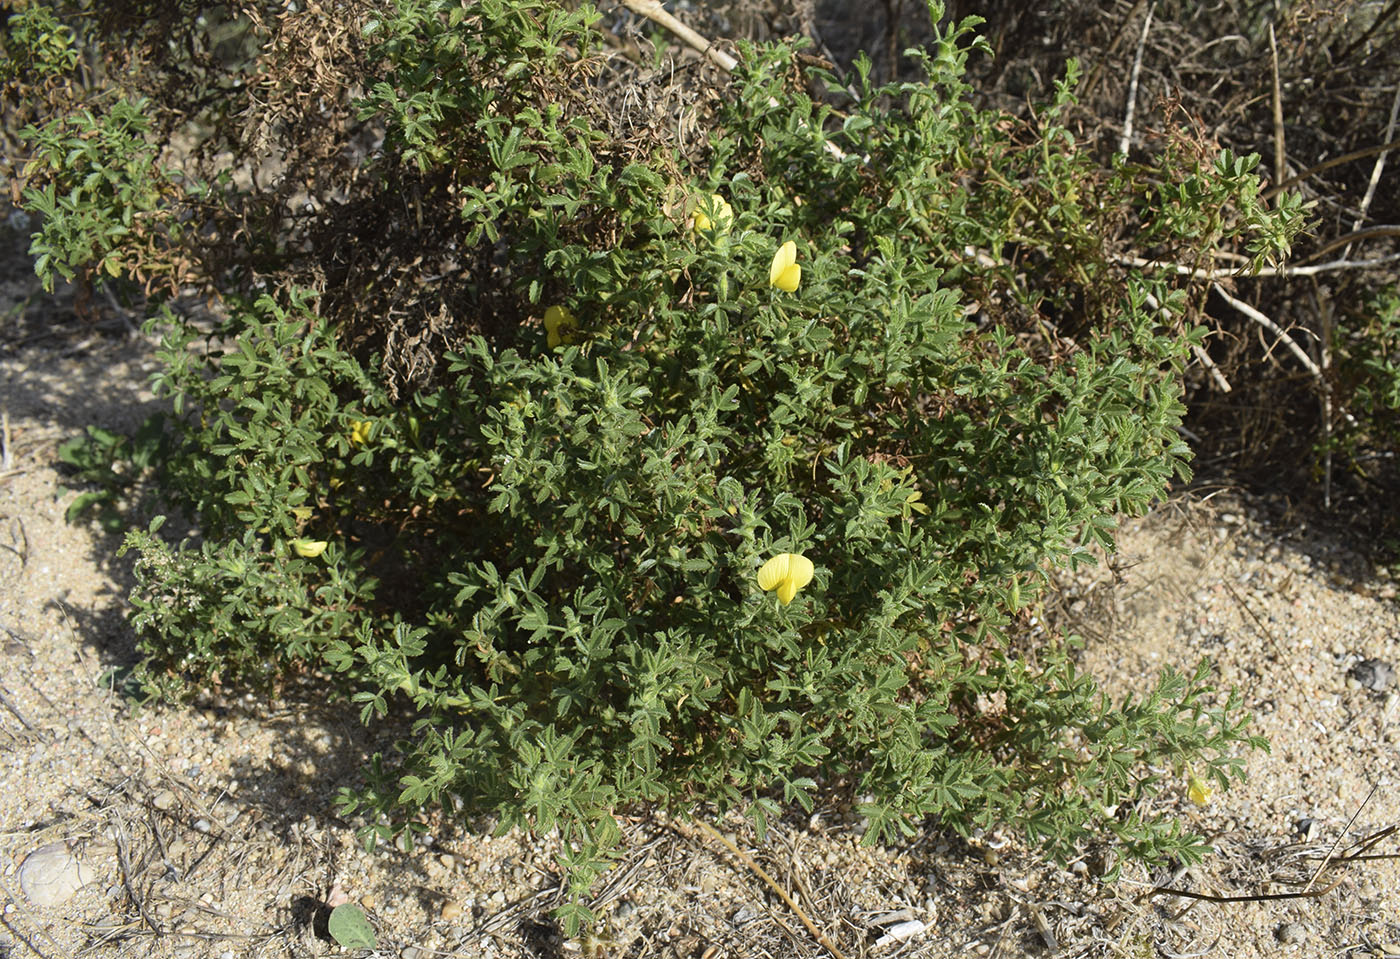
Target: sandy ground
(211, 830)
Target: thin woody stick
(1280, 158)
(1379, 165)
(772, 884)
(1312, 270)
(653, 11)
(1361, 154)
(1126, 139)
(1273, 328)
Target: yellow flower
(1198, 790)
(787, 573)
(715, 216)
(560, 326)
(359, 432)
(310, 548)
(785, 274)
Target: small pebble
(901, 932)
(412, 952)
(51, 874)
(1291, 933)
(1374, 674)
(451, 910)
(165, 799)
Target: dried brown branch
(772, 884)
(1326, 165)
(1280, 156)
(1126, 140)
(1273, 328)
(653, 11)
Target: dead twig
(1357, 852)
(653, 11)
(1275, 329)
(124, 862)
(1326, 860)
(772, 884)
(1126, 139)
(1375, 25)
(5, 701)
(1280, 158)
(33, 921)
(1324, 316)
(1245, 274)
(17, 526)
(1258, 897)
(1361, 154)
(1378, 166)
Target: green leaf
(81, 503)
(350, 928)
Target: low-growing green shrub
(1365, 401)
(739, 492)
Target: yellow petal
(1198, 791)
(773, 572)
(783, 260)
(787, 573)
(799, 570)
(557, 316)
(560, 325)
(715, 215)
(310, 548)
(302, 513)
(789, 279)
